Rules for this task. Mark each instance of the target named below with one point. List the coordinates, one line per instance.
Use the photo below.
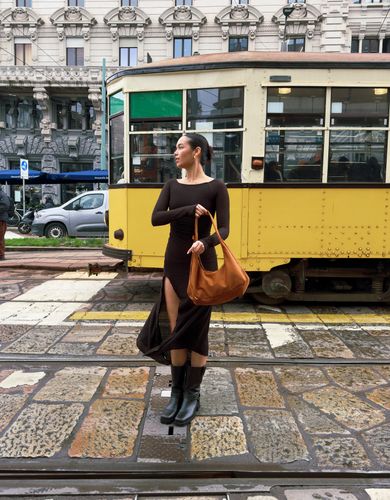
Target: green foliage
(55, 242)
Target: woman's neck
(195, 173)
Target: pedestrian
(185, 347)
(49, 203)
(6, 210)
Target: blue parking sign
(23, 168)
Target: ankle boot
(170, 411)
(191, 396)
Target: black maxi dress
(176, 206)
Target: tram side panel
(131, 210)
(290, 223)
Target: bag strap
(215, 227)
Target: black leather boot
(191, 396)
(170, 411)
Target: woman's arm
(223, 217)
(162, 215)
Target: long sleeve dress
(176, 206)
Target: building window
(74, 115)
(183, 2)
(182, 47)
(75, 3)
(238, 43)
(75, 56)
(23, 54)
(355, 44)
(296, 1)
(23, 3)
(370, 45)
(128, 56)
(295, 44)
(240, 2)
(129, 3)
(22, 112)
(69, 191)
(386, 46)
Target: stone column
(95, 96)
(334, 26)
(115, 45)
(42, 97)
(140, 37)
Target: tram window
(215, 108)
(355, 44)
(296, 107)
(156, 111)
(293, 156)
(152, 157)
(360, 107)
(116, 148)
(116, 103)
(357, 156)
(386, 45)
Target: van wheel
(55, 230)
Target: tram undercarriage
(324, 280)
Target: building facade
(51, 59)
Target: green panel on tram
(159, 104)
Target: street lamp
(287, 11)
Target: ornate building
(51, 55)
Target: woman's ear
(197, 152)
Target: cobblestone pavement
(290, 388)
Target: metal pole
(284, 35)
(103, 156)
(24, 195)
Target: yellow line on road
(243, 317)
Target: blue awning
(79, 176)
(37, 177)
(13, 177)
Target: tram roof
(226, 60)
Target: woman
(180, 201)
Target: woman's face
(184, 154)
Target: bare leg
(198, 360)
(178, 356)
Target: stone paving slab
(112, 413)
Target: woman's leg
(172, 301)
(198, 360)
(178, 358)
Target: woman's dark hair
(197, 140)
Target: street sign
(23, 168)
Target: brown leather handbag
(207, 288)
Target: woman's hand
(200, 210)
(197, 248)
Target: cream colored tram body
(301, 140)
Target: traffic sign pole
(24, 176)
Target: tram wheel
(262, 298)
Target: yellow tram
(301, 140)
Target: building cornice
(65, 76)
(21, 19)
(127, 21)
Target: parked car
(83, 215)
